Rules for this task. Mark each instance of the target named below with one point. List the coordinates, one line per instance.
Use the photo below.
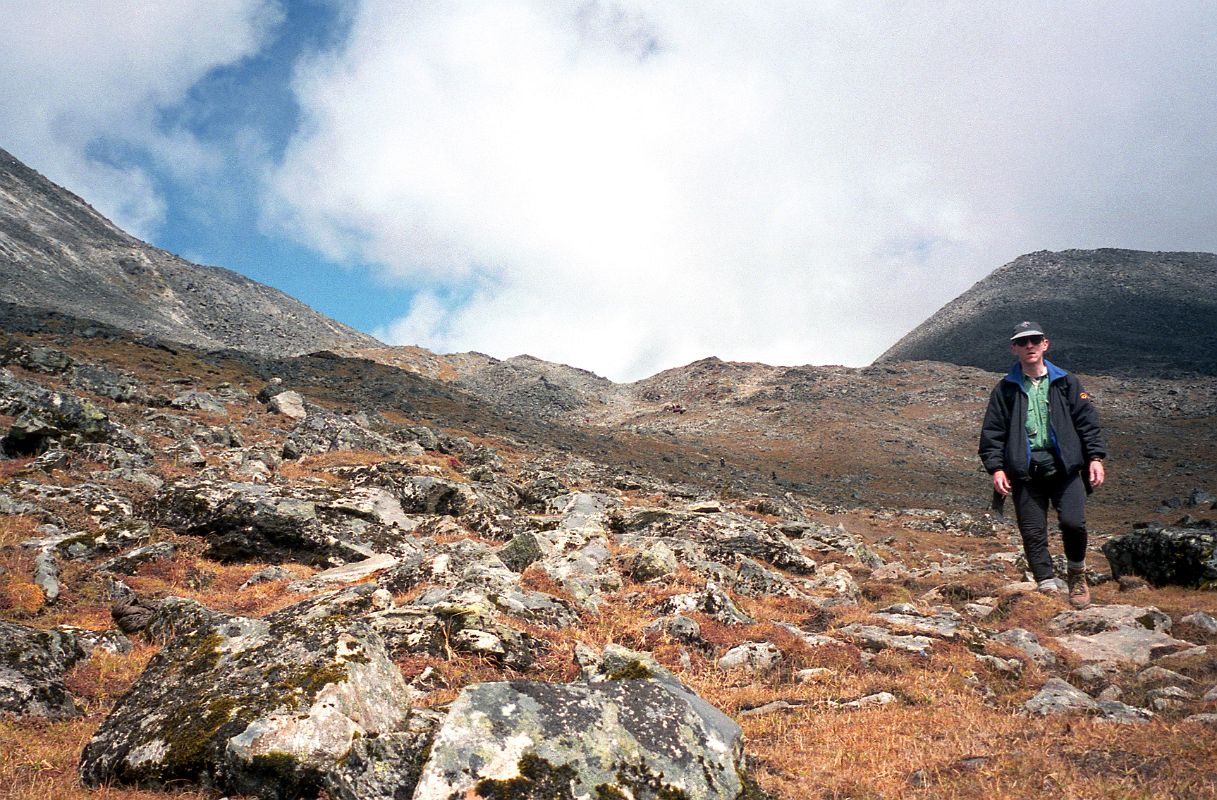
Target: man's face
(1029, 350)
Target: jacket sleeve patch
(1084, 395)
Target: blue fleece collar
(1015, 375)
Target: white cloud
(629, 186)
(81, 75)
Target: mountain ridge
(57, 252)
(1108, 311)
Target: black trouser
(1067, 494)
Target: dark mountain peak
(1107, 311)
(59, 254)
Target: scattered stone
(524, 549)
(1059, 697)
(712, 601)
(199, 401)
(753, 580)
(347, 573)
(128, 563)
(1029, 644)
(871, 701)
(654, 562)
(756, 656)
(1109, 618)
(384, 767)
(1202, 622)
(289, 404)
(875, 639)
(324, 431)
(943, 621)
(1136, 646)
(46, 574)
(814, 675)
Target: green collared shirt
(1037, 412)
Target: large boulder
(626, 738)
(268, 707)
(1182, 556)
(32, 667)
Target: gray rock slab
(942, 622)
(1028, 643)
(1136, 646)
(1059, 697)
(875, 638)
(629, 738)
(1109, 618)
(1115, 711)
(347, 573)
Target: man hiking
(1041, 443)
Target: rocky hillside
(366, 573)
(1111, 312)
(229, 574)
(57, 253)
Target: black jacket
(1072, 420)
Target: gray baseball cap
(1026, 328)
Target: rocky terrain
(247, 552)
(57, 253)
(1110, 312)
(226, 574)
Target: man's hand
(1097, 475)
(1001, 483)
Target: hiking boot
(1049, 586)
(1079, 592)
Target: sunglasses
(1034, 341)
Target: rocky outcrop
(1166, 555)
(259, 706)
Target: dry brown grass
(39, 758)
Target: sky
(624, 187)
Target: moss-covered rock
(266, 707)
(32, 666)
(1180, 556)
(636, 737)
